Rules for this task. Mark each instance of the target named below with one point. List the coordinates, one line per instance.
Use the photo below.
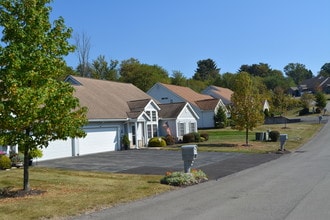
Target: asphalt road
(149, 161)
(295, 186)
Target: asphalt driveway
(152, 161)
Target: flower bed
(184, 179)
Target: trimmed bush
(304, 111)
(5, 162)
(205, 136)
(274, 136)
(187, 138)
(191, 137)
(157, 142)
(170, 140)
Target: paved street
(295, 186)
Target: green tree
(297, 72)
(226, 80)
(261, 69)
(306, 100)
(280, 101)
(178, 79)
(143, 76)
(325, 70)
(102, 70)
(206, 70)
(220, 118)
(35, 107)
(246, 108)
(320, 100)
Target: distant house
(294, 91)
(204, 105)
(312, 85)
(177, 119)
(219, 93)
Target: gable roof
(108, 99)
(219, 92)
(208, 104)
(315, 83)
(173, 110)
(191, 96)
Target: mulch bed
(9, 192)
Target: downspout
(136, 134)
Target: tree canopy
(206, 70)
(297, 72)
(325, 70)
(143, 76)
(261, 69)
(35, 106)
(246, 108)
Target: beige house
(115, 109)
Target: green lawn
(229, 140)
(68, 193)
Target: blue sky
(175, 34)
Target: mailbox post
(189, 154)
(283, 139)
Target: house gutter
(108, 120)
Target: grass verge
(68, 193)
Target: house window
(154, 129)
(154, 116)
(148, 113)
(192, 127)
(181, 130)
(149, 131)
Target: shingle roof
(220, 92)
(171, 110)
(208, 104)
(315, 82)
(189, 95)
(108, 99)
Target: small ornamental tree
(320, 100)
(246, 108)
(220, 118)
(35, 107)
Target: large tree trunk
(26, 185)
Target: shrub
(5, 162)
(184, 179)
(157, 142)
(205, 136)
(274, 135)
(187, 138)
(266, 112)
(170, 140)
(304, 111)
(191, 137)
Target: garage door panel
(99, 140)
(57, 149)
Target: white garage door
(57, 149)
(98, 140)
